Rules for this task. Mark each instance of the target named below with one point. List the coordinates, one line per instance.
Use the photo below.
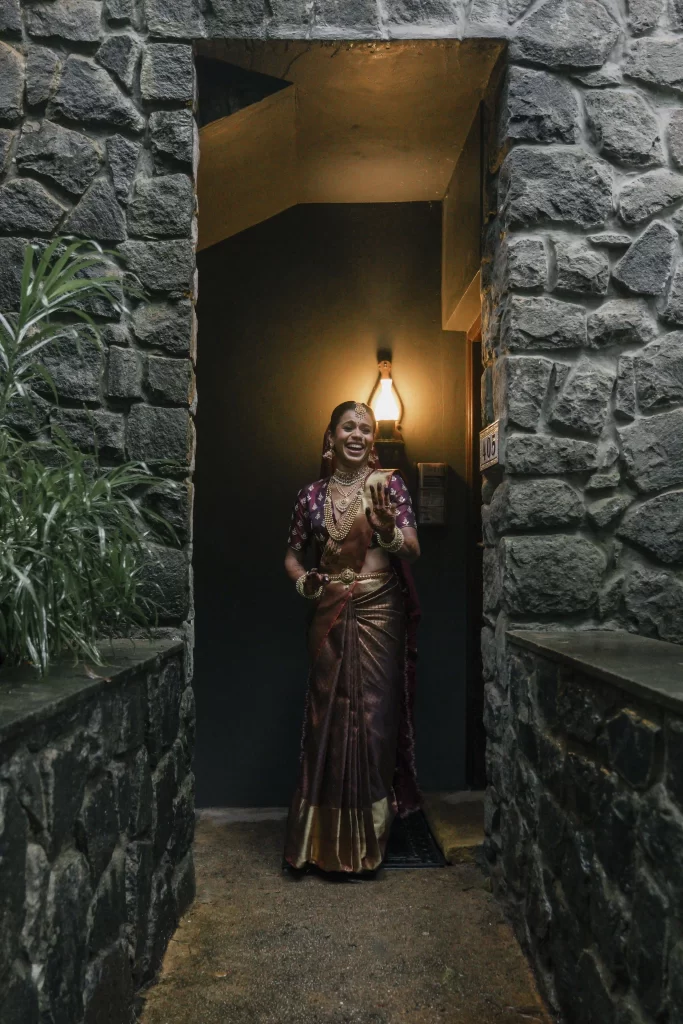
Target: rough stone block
(654, 604)
(10, 17)
(538, 107)
(13, 844)
(75, 21)
(188, 724)
(657, 526)
(673, 311)
(43, 67)
(674, 137)
(12, 76)
(98, 215)
(165, 326)
(6, 141)
(675, 975)
(593, 991)
(647, 942)
(163, 708)
(540, 322)
(526, 263)
(98, 823)
(572, 569)
(659, 372)
(601, 78)
(142, 795)
(607, 479)
(22, 771)
(674, 760)
(615, 831)
(66, 157)
(124, 373)
(581, 706)
(633, 747)
(162, 920)
(535, 504)
(120, 10)
(93, 428)
(20, 997)
(122, 156)
(115, 334)
(559, 186)
(170, 380)
(63, 769)
(167, 73)
(645, 268)
(583, 403)
(624, 127)
(174, 503)
(660, 433)
(580, 269)
(657, 62)
(491, 579)
(108, 994)
(610, 240)
(549, 456)
(174, 19)
(603, 512)
(183, 885)
(155, 434)
(69, 895)
(26, 206)
(120, 54)
(139, 870)
(643, 15)
(161, 266)
(172, 134)
(162, 207)
(166, 583)
(107, 912)
(642, 197)
(86, 93)
(519, 389)
(75, 368)
(566, 32)
(625, 399)
(164, 787)
(351, 18)
(621, 322)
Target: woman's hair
(344, 407)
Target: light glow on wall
(385, 405)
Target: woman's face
(353, 438)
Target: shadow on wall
(291, 313)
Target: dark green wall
(290, 316)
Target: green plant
(73, 540)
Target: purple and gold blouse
(308, 519)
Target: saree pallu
(344, 805)
(357, 758)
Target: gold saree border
(350, 839)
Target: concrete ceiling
(364, 123)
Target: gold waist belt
(348, 576)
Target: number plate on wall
(489, 446)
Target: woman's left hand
(382, 515)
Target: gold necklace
(346, 488)
(340, 529)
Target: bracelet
(300, 588)
(393, 545)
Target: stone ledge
(26, 700)
(649, 669)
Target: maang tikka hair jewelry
(360, 410)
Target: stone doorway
(338, 215)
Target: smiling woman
(357, 760)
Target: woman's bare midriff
(375, 560)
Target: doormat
(412, 845)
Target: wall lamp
(387, 406)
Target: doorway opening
(340, 214)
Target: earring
(329, 454)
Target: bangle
(393, 545)
(300, 588)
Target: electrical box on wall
(431, 493)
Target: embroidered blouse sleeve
(405, 517)
(300, 526)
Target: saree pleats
(344, 803)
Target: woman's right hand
(314, 581)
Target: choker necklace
(346, 479)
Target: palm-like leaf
(73, 541)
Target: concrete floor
(413, 947)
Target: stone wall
(585, 845)
(96, 826)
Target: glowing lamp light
(386, 404)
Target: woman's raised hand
(314, 581)
(382, 515)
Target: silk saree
(357, 767)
